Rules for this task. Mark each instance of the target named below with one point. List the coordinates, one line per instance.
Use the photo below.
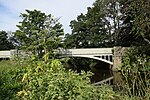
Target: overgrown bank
(49, 81)
(35, 79)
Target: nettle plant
(135, 70)
(50, 81)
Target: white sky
(66, 10)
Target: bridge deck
(5, 54)
(102, 54)
(89, 51)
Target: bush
(10, 76)
(136, 74)
(50, 81)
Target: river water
(100, 74)
(100, 70)
(103, 74)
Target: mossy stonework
(118, 54)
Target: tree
(97, 28)
(135, 17)
(5, 44)
(89, 29)
(38, 32)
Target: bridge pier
(117, 59)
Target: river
(100, 70)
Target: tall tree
(5, 44)
(97, 28)
(38, 32)
(135, 18)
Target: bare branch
(147, 40)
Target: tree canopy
(38, 31)
(97, 28)
(135, 19)
(111, 22)
(5, 43)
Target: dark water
(103, 71)
(100, 70)
(102, 74)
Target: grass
(10, 76)
(7, 65)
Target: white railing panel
(5, 54)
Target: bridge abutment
(118, 52)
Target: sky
(66, 10)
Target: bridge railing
(87, 51)
(5, 54)
(13, 53)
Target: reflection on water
(101, 74)
(101, 70)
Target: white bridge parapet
(90, 51)
(5, 54)
(102, 54)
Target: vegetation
(135, 27)
(111, 22)
(136, 74)
(94, 29)
(50, 81)
(10, 76)
(136, 63)
(5, 43)
(42, 76)
(38, 32)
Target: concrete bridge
(111, 56)
(101, 54)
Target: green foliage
(38, 32)
(136, 74)
(5, 44)
(10, 76)
(135, 17)
(96, 28)
(111, 22)
(50, 81)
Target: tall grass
(6, 65)
(10, 76)
(135, 70)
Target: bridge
(101, 54)
(111, 56)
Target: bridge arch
(92, 57)
(101, 54)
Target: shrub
(50, 81)
(136, 74)
(10, 76)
